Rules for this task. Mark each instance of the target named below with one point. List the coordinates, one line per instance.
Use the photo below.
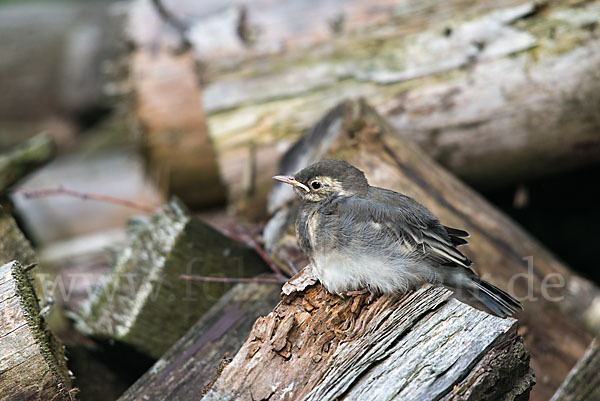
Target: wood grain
(317, 346)
(32, 361)
(192, 363)
(143, 301)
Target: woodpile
(488, 93)
(426, 98)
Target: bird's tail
(496, 300)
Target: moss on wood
(143, 301)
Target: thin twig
(30, 267)
(234, 279)
(252, 243)
(42, 193)
(168, 17)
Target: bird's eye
(315, 184)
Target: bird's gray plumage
(359, 236)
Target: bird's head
(327, 178)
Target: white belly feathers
(340, 273)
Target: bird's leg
(357, 292)
(362, 292)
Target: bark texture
(191, 364)
(143, 302)
(32, 361)
(497, 91)
(558, 303)
(318, 346)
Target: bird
(361, 238)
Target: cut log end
(144, 302)
(32, 362)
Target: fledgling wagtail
(362, 237)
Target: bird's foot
(361, 292)
(357, 292)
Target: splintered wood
(317, 346)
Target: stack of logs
(314, 345)
(259, 340)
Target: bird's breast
(340, 272)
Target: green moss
(49, 345)
(144, 302)
(13, 244)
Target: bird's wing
(413, 225)
(457, 236)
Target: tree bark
(583, 383)
(32, 361)
(503, 91)
(318, 346)
(190, 365)
(144, 302)
(557, 302)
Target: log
(32, 360)
(144, 302)
(168, 107)
(54, 61)
(558, 303)
(421, 346)
(583, 382)
(456, 77)
(191, 363)
(25, 158)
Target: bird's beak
(288, 179)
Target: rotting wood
(558, 303)
(143, 301)
(191, 363)
(32, 361)
(421, 346)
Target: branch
(42, 193)
(279, 280)
(250, 241)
